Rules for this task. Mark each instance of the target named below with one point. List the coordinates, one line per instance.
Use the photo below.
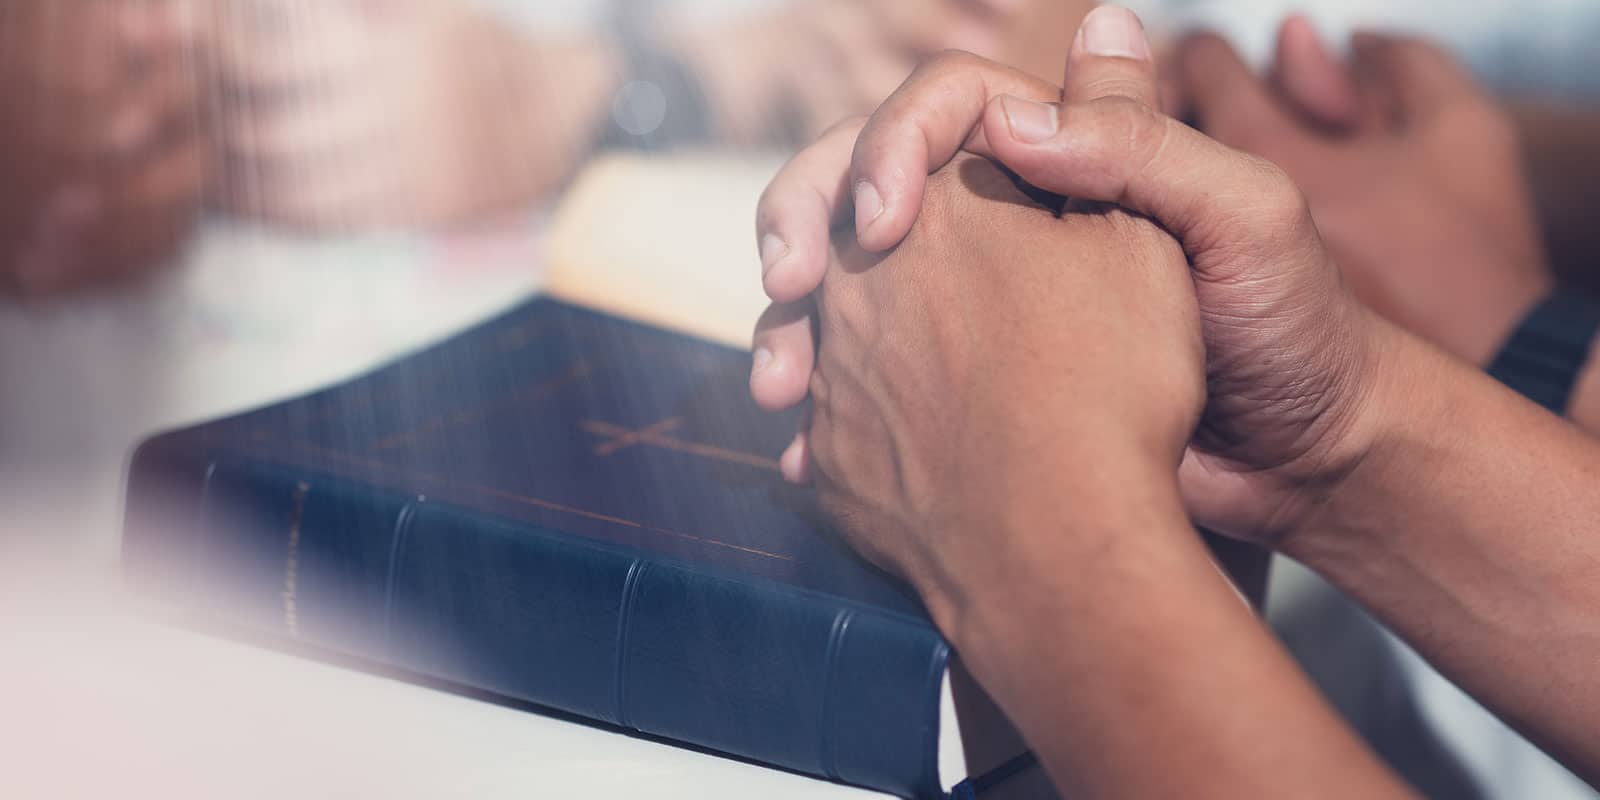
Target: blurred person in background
(400, 113)
(423, 113)
(213, 203)
(1368, 139)
(101, 154)
(411, 112)
(1535, 60)
(357, 114)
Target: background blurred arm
(332, 115)
(101, 161)
(1561, 143)
(1561, 151)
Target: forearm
(1563, 159)
(570, 102)
(557, 98)
(1134, 670)
(1473, 529)
(738, 66)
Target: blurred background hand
(1413, 173)
(356, 113)
(786, 75)
(100, 155)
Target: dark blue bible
(563, 508)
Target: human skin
(372, 113)
(1458, 512)
(1418, 178)
(100, 154)
(786, 75)
(1558, 143)
(404, 112)
(927, 444)
(393, 112)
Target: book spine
(756, 670)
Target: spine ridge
(397, 542)
(630, 590)
(825, 747)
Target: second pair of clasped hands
(1021, 411)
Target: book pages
(665, 240)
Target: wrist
(519, 145)
(1072, 538)
(1419, 403)
(1354, 430)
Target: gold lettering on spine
(291, 567)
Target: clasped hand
(994, 360)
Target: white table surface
(98, 700)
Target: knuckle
(1126, 120)
(1122, 135)
(1147, 132)
(767, 208)
(1279, 198)
(1120, 84)
(778, 198)
(946, 64)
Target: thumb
(1107, 142)
(1111, 58)
(1116, 150)
(1312, 78)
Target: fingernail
(869, 204)
(1030, 122)
(772, 251)
(1114, 31)
(760, 360)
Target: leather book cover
(562, 507)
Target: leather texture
(564, 508)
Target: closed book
(568, 509)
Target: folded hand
(1412, 171)
(1290, 354)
